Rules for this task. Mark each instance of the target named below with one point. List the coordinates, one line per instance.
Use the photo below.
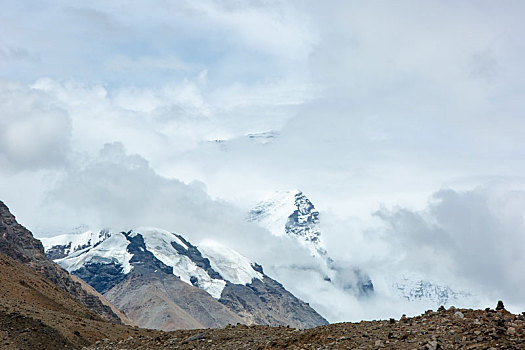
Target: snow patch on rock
(158, 242)
(273, 214)
(75, 241)
(160, 235)
(414, 287)
(231, 265)
(112, 249)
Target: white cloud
(127, 64)
(275, 28)
(119, 190)
(474, 236)
(397, 109)
(10, 53)
(34, 132)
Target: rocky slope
(18, 243)
(163, 281)
(162, 301)
(442, 329)
(36, 314)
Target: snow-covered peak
(75, 241)
(232, 266)
(273, 212)
(159, 243)
(113, 249)
(158, 236)
(80, 252)
(293, 214)
(432, 293)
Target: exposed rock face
(304, 221)
(36, 314)
(161, 280)
(291, 213)
(101, 276)
(18, 243)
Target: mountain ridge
(111, 260)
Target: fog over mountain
(401, 121)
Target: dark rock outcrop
(100, 276)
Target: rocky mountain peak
(292, 213)
(304, 221)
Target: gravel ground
(441, 329)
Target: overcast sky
(403, 121)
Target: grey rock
(197, 336)
(459, 314)
(267, 302)
(163, 301)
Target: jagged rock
(101, 276)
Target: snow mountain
(292, 213)
(415, 288)
(163, 281)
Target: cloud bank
(477, 236)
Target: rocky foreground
(442, 329)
